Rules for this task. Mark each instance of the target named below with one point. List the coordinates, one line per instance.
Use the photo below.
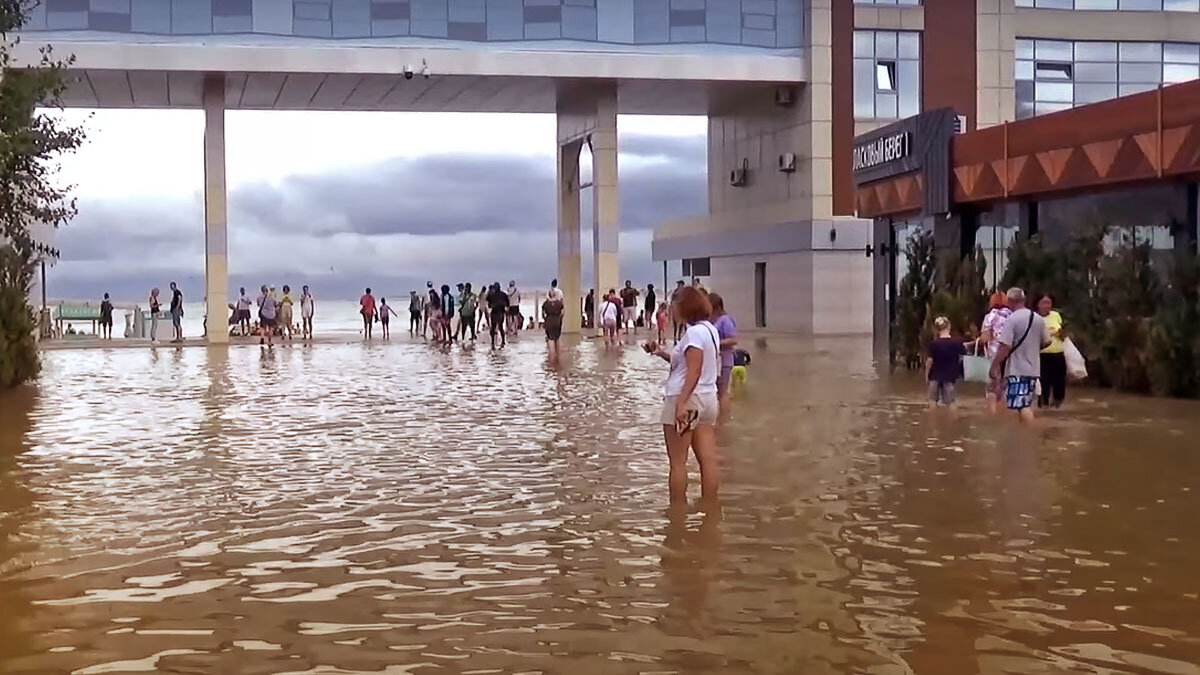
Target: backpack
(741, 357)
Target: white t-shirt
(243, 303)
(555, 294)
(609, 312)
(514, 297)
(702, 336)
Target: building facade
(786, 86)
(785, 246)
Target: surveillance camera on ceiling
(408, 72)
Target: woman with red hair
(690, 406)
(993, 324)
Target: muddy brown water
(343, 508)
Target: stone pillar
(994, 62)
(606, 206)
(216, 239)
(588, 114)
(569, 251)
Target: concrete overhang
(297, 74)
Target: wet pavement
(344, 508)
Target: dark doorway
(760, 294)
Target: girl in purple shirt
(727, 331)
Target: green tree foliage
(1128, 292)
(30, 141)
(1173, 357)
(913, 298)
(18, 350)
(936, 286)
(1138, 333)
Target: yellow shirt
(287, 299)
(1053, 327)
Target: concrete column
(606, 203)
(569, 250)
(216, 239)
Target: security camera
(424, 69)
(408, 72)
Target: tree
(1173, 358)
(914, 297)
(30, 142)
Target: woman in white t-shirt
(690, 405)
(610, 313)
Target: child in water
(660, 320)
(737, 376)
(385, 317)
(943, 366)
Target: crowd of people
(1024, 346)
(446, 316)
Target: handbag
(976, 368)
(1076, 364)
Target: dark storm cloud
(442, 194)
(131, 232)
(689, 151)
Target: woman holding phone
(690, 405)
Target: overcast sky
(343, 200)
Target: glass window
(1180, 72)
(1095, 51)
(864, 43)
(885, 44)
(1175, 52)
(1141, 51)
(1125, 5)
(1094, 93)
(1052, 71)
(1140, 72)
(885, 75)
(864, 88)
(1058, 92)
(1055, 50)
(1095, 72)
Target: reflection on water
(351, 508)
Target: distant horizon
(382, 200)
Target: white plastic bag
(976, 368)
(1076, 364)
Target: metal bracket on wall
(883, 249)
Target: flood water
(344, 508)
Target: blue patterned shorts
(1020, 392)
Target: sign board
(882, 150)
(917, 145)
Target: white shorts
(631, 313)
(705, 403)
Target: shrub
(913, 299)
(1173, 352)
(18, 345)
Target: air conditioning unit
(960, 124)
(737, 177)
(785, 96)
(787, 162)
